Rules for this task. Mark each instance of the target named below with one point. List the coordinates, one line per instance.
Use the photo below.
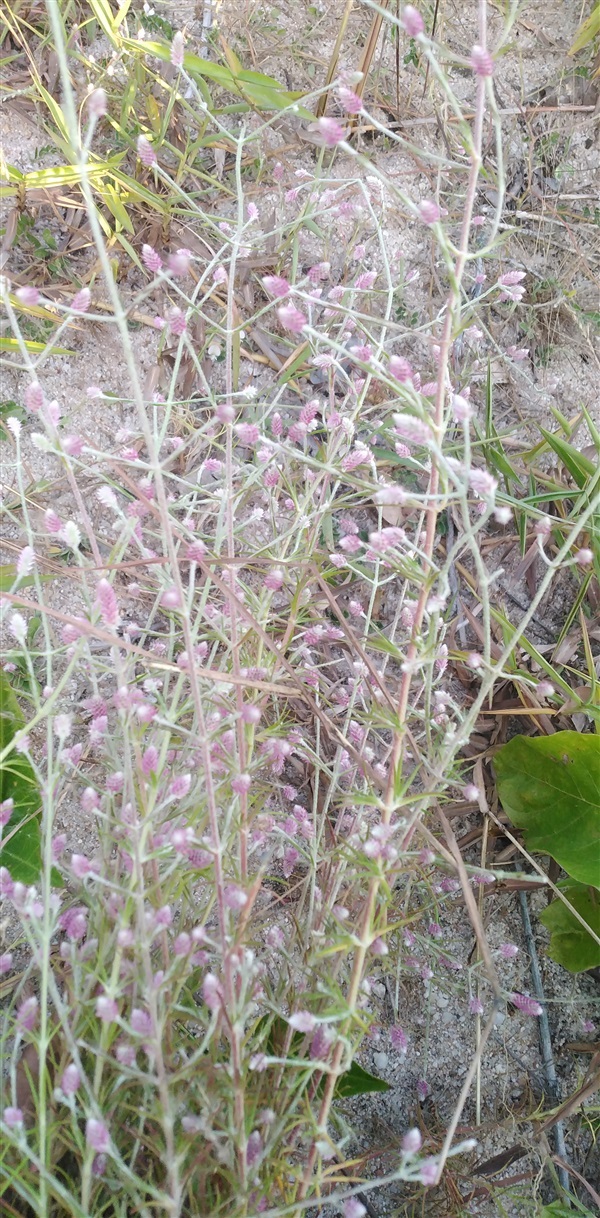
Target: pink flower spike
(354, 1208)
(429, 211)
(146, 152)
(365, 281)
(400, 369)
(171, 599)
(330, 131)
(399, 1039)
(177, 322)
(349, 100)
(97, 1136)
(274, 579)
(235, 897)
(177, 49)
(12, 1117)
(27, 295)
(461, 408)
(302, 1021)
(481, 61)
(106, 604)
(27, 1014)
(471, 793)
(81, 866)
(6, 962)
(510, 278)
(291, 318)
(25, 562)
(73, 446)
(584, 558)
(544, 689)
(151, 259)
(106, 1008)
(429, 1171)
(71, 1080)
(276, 285)
(527, 1005)
(81, 301)
(412, 21)
(412, 1142)
(483, 483)
(34, 397)
(179, 262)
(98, 103)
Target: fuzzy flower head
(349, 100)
(330, 131)
(481, 61)
(429, 211)
(291, 318)
(276, 285)
(146, 152)
(97, 103)
(483, 483)
(412, 21)
(527, 1005)
(97, 1136)
(511, 287)
(177, 49)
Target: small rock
(380, 1060)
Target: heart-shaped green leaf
(550, 788)
(21, 852)
(357, 1081)
(570, 944)
(354, 1081)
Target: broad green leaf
(8, 575)
(357, 1081)
(21, 853)
(354, 1081)
(570, 945)
(550, 788)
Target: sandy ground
(562, 371)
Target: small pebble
(380, 1060)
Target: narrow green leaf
(106, 19)
(588, 30)
(115, 206)
(579, 467)
(11, 344)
